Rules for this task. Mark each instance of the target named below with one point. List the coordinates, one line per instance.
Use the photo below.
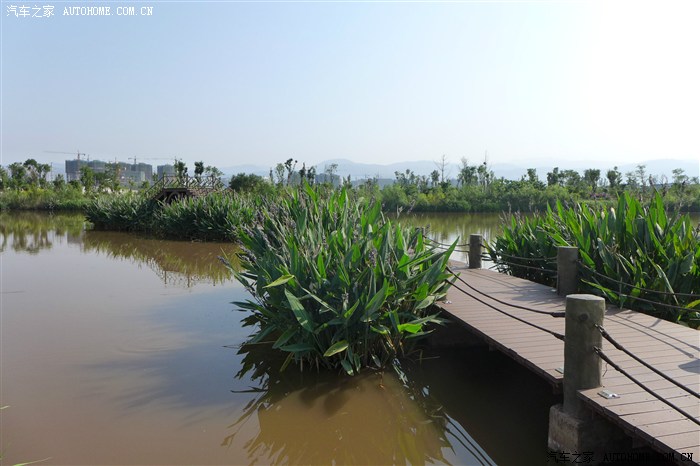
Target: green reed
(651, 259)
(214, 217)
(335, 283)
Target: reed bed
(637, 256)
(336, 284)
(214, 217)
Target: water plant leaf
(299, 312)
(347, 366)
(409, 327)
(284, 338)
(298, 347)
(336, 348)
(280, 281)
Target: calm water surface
(118, 349)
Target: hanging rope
(445, 244)
(517, 306)
(608, 337)
(594, 272)
(530, 267)
(559, 336)
(510, 256)
(671, 306)
(465, 251)
(605, 358)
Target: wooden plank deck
(673, 349)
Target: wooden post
(567, 270)
(572, 426)
(474, 251)
(582, 366)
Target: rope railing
(465, 251)
(510, 256)
(517, 306)
(556, 335)
(605, 358)
(445, 244)
(670, 306)
(630, 285)
(529, 267)
(612, 341)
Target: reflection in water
(175, 262)
(123, 356)
(33, 232)
(448, 227)
(321, 418)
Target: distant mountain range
(359, 171)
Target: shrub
(633, 255)
(336, 284)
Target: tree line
(475, 188)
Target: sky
(234, 83)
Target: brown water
(116, 349)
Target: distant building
(163, 170)
(73, 168)
(136, 173)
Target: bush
(633, 255)
(335, 283)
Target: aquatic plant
(122, 212)
(634, 255)
(214, 217)
(335, 283)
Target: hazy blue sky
(249, 82)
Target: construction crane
(70, 153)
(147, 158)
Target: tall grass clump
(35, 198)
(634, 255)
(214, 217)
(124, 212)
(336, 284)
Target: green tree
(289, 166)
(532, 177)
(330, 174)
(435, 178)
(59, 183)
(614, 178)
(485, 175)
(467, 173)
(102, 181)
(180, 169)
(554, 177)
(18, 175)
(592, 177)
(246, 182)
(640, 174)
(87, 178)
(572, 180)
(311, 175)
(4, 179)
(113, 176)
(198, 169)
(279, 173)
(680, 179)
(213, 172)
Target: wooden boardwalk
(671, 348)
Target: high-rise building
(136, 173)
(163, 170)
